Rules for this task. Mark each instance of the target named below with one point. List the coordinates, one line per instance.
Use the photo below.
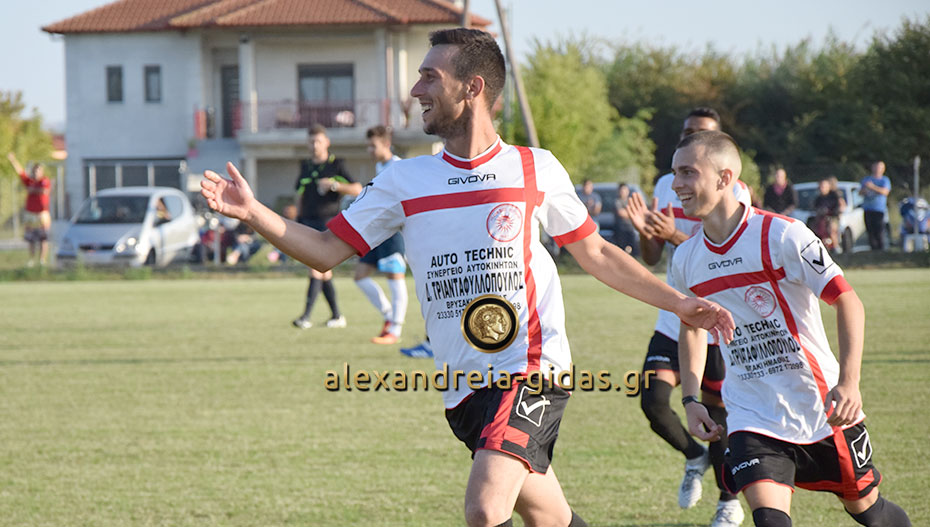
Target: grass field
(194, 402)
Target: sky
(33, 61)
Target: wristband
(334, 187)
(689, 399)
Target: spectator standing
(38, 219)
(875, 189)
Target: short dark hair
(380, 131)
(316, 129)
(478, 54)
(704, 111)
(714, 141)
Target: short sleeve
(342, 172)
(562, 214)
(374, 216)
(806, 260)
(677, 268)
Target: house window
(327, 94)
(114, 84)
(153, 84)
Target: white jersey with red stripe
(471, 227)
(770, 273)
(667, 322)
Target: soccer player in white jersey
(387, 258)
(794, 411)
(488, 290)
(665, 226)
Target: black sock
(665, 422)
(766, 517)
(718, 449)
(577, 521)
(882, 513)
(313, 291)
(330, 293)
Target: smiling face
(697, 182)
(442, 97)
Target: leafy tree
(567, 93)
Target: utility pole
(466, 15)
(517, 79)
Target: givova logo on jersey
(505, 222)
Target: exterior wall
(133, 128)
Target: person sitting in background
(245, 245)
(625, 235)
(827, 208)
(591, 200)
(780, 196)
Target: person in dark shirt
(322, 183)
(780, 197)
(827, 208)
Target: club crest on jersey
(505, 222)
(761, 300)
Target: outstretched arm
(233, 198)
(850, 325)
(613, 266)
(692, 358)
(15, 162)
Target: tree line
(613, 112)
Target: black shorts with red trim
(841, 463)
(663, 355)
(515, 421)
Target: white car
(851, 221)
(131, 226)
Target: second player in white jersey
(667, 323)
(779, 364)
(433, 200)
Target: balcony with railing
(272, 116)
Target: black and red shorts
(663, 355)
(841, 463)
(515, 421)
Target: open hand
(661, 222)
(637, 209)
(702, 313)
(230, 197)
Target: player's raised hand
(638, 211)
(661, 221)
(845, 403)
(702, 313)
(230, 197)
(700, 424)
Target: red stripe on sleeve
(341, 228)
(587, 229)
(834, 289)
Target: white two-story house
(159, 91)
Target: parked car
(851, 221)
(131, 226)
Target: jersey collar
(477, 161)
(729, 242)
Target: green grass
(193, 402)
